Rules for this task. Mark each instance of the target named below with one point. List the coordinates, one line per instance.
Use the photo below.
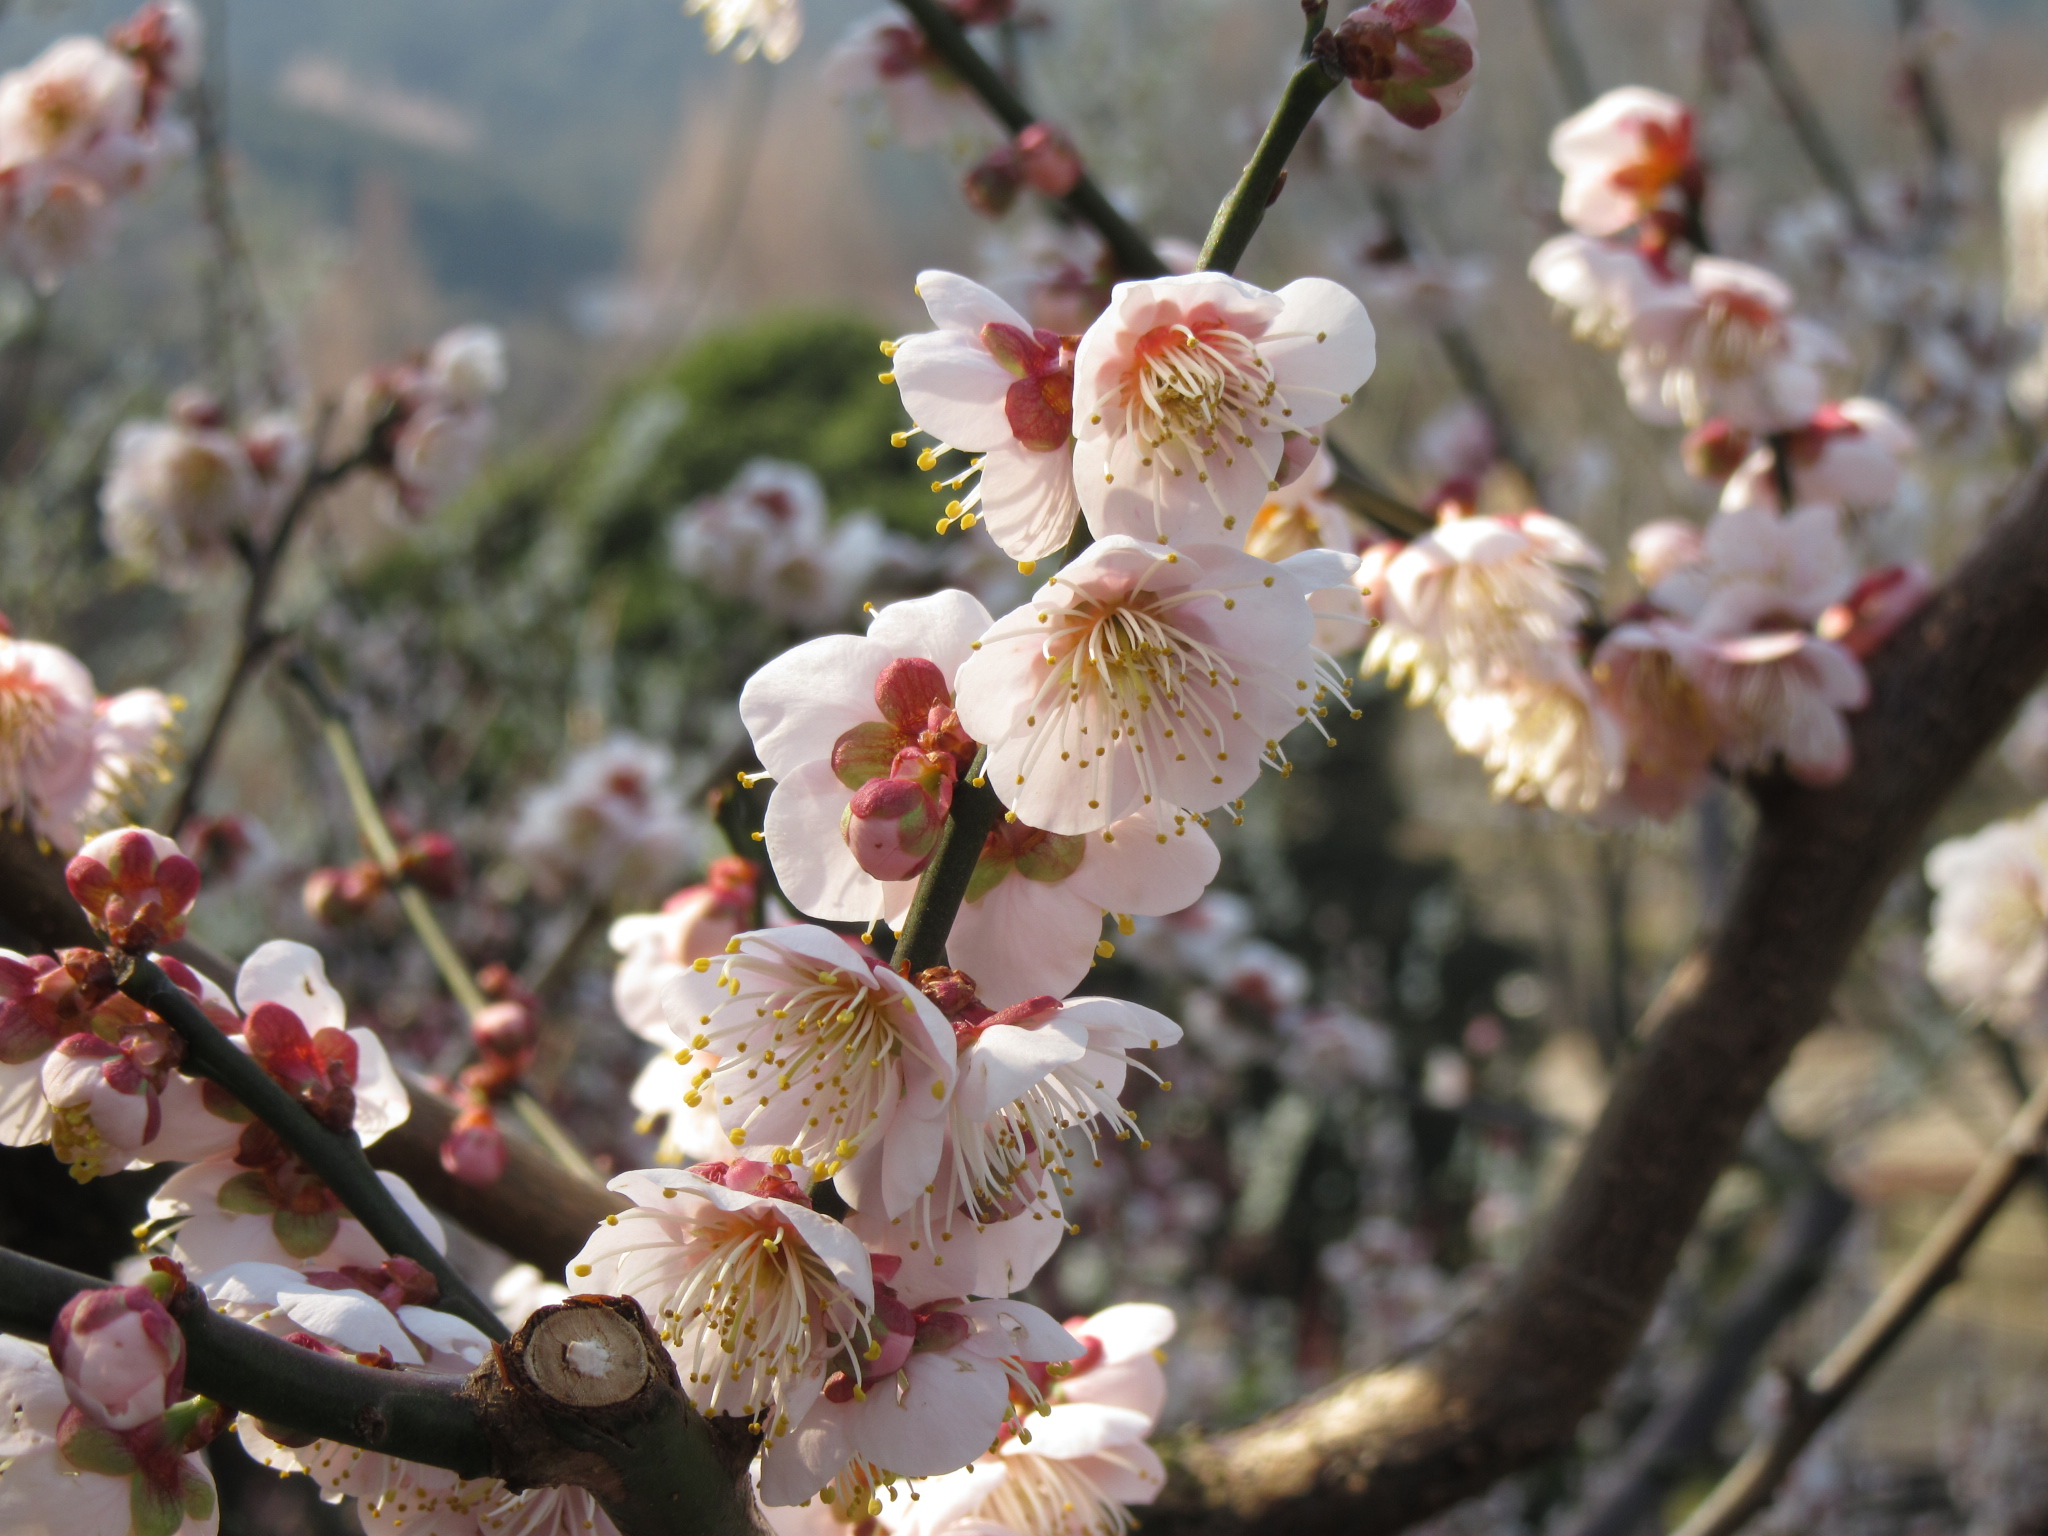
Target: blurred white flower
(1622, 157)
(771, 28)
(614, 824)
(1987, 941)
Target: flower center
(835, 1041)
(1041, 1494)
(28, 716)
(1198, 390)
(1736, 333)
(745, 1313)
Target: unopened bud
(992, 183)
(474, 1150)
(1414, 57)
(1047, 159)
(893, 824)
(121, 1356)
(432, 862)
(338, 896)
(505, 1029)
(136, 886)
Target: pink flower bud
(136, 886)
(318, 1069)
(121, 1355)
(1880, 603)
(1048, 159)
(893, 824)
(1413, 57)
(1713, 449)
(474, 1150)
(505, 1029)
(992, 183)
(981, 13)
(432, 862)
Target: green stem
(1127, 244)
(1239, 217)
(335, 1157)
(943, 886)
(455, 975)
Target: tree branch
(1241, 213)
(943, 886)
(1815, 1397)
(1797, 103)
(336, 1157)
(1573, 78)
(1383, 1449)
(1128, 246)
(620, 1427)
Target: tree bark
(1382, 1450)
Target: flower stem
(455, 975)
(1239, 217)
(943, 886)
(335, 1157)
(1127, 244)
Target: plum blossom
(1726, 343)
(771, 28)
(428, 420)
(77, 94)
(753, 1292)
(656, 948)
(1987, 942)
(817, 1052)
(613, 822)
(121, 1356)
(832, 715)
(1303, 515)
(135, 885)
(62, 1473)
(1187, 390)
(1851, 455)
(1416, 58)
(1209, 647)
(1544, 735)
(1477, 602)
(178, 492)
(1082, 1464)
(1644, 672)
(987, 383)
(937, 1396)
(1601, 286)
(767, 540)
(1623, 157)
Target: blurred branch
(1507, 1387)
(1923, 89)
(21, 360)
(257, 637)
(335, 1157)
(1680, 1433)
(620, 1428)
(1797, 104)
(1244, 209)
(1132, 252)
(1573, 78)
(1814, 1398)
(455, 973)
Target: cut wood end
(584, 1355)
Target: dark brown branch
(1815, 1397)
(1680, 1433)
(612, 1418)
(1382, 1450)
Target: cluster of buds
(343, 893)
(427, 421)
(901, 770)
(122, 1360)
(1414, 57)
(137, 887)
(506, 1033)
(1040, 157)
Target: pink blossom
(614, 822)
(72, 98)
(885, 58)
(657, 948)
(1186, 389)
(1987, 942)
(987, 383)
(1851, 454)
(1623, 158)
(46, 734)
(1144, 679)
(177, 492)
(1601, 286)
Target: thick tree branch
(336, 1157)
(1814, 1398)
(1384, 1449)
(611, 1417)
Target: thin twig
(1797, 103)
(1815, 1397)
(1132, 252)
(335, 1157)
(1241, 213)
(455, 974)
(258, 639)
(1573, 78)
